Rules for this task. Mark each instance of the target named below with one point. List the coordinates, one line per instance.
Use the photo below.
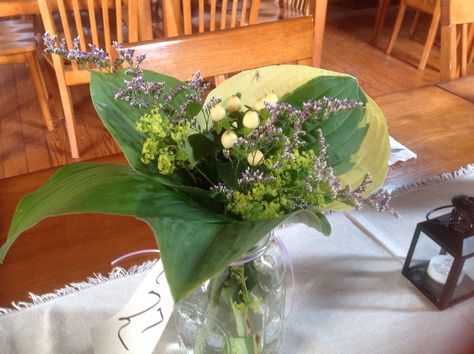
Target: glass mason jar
(240, 310)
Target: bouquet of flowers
(212, 175)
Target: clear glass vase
(240, 310)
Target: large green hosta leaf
(119, 117)
(195, 242)
(358, 139)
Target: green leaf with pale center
(358, 140)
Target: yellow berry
(228, 139)
(251, 120)
(255, 158)
(233, 104)
(217, 112)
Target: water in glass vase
(240, 310)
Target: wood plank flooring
(27, 146)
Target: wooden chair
(18, 45)
(214, 53)
(382, 10)
(210, 15)
(316, 8)
(97, 22)
(427, 6)
(457, 15)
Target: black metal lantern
(440, 261)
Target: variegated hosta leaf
(367, 142)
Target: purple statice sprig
(95, 57)
(222, 189)
(324, 107)
(380, 201)
(138, 91)
(249, 177)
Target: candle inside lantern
(439, 268)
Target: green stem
(215, 284)
(204, 175)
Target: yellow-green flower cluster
(280, 190)
(164, 143)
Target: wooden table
(431, 121)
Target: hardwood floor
(27, 146)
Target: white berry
(217, 112)
(228, 139)
(233, 104)
(255, 158)
(251, 120)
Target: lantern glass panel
(465, 284)
(433, 278)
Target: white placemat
(413, 202)
(399, 152)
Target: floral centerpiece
(212, 175)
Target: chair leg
(69, 117)
(40, 87)
(414, 23)
(55, 94)
(470, 43)
(431, 37)
(380, 19)
(396, 28)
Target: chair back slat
(243, 15)
(79, 26)
(201, 16)
(253, 14)
(99, 22)
(65, 23)
(187, 17)
(132, 14)
(93, 22)
(197, 16)
(214, 53)
(223, 14)
(118, 20)
(212, 20)
(233, 14)
(105, 21)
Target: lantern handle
(436, 209)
